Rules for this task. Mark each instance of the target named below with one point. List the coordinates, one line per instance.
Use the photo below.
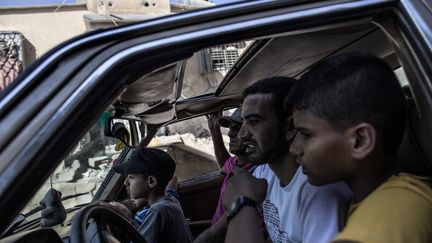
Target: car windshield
(80, 174)
(212, 64)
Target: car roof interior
(291, 55)
(288, 54)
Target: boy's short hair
(278, 86)
(149, 161)
(351, 88)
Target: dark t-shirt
(165, 222)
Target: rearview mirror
(128, 131)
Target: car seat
(413, 156)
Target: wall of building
(44, 27)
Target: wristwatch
(239, 203)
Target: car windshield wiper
(20, 219)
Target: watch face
(234, 205)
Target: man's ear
(289, 128)
(152, 181)
(362, 140)
(289, 122)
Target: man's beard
(237, 150)
(279, 150)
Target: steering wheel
(102, 216)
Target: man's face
(138, 186)
(262, 131)
(322, 151)
(235, 146)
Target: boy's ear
(363, 140)
(152, 181)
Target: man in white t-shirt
(300, 212)
(294, 210)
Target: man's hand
(212, 120)
(221, 152)
(242, 183)
(216, 233)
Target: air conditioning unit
(13, 45)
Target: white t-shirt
(301, 212)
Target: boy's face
(261, 132)
(138, 186)
(323, 152)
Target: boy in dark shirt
(148, 172)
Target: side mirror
(128, 131)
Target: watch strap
(239, 203)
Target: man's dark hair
(278, 86)
(351, 88)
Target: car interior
(154, 99)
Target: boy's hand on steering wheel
(118, 207)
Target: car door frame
(43, 134)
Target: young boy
(349, 112)
(148, 172)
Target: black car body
(56, 100)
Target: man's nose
(232, 132)
(126, 182)
(243, 133)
